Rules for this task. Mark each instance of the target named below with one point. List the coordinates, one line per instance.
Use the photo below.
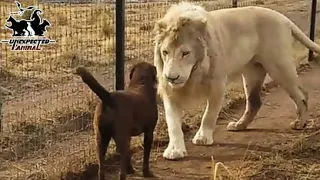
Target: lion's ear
(198, 23)
(159, 27)
(183, 21)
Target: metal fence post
(1, 98)
(1, 106)
(1, 103)
(120, 46)
(234, 3)
(312, 25)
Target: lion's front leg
(209, 119)
(176, 148)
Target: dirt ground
(269, 130)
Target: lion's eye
(165, 52)
(185, 54)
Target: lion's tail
(94, 85)
(301, 37)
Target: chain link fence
(46, 110)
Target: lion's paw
(203, 138)
(297, 125)
(234, 126)
(173, 153)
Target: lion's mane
(177, 17)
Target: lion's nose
(172, 79)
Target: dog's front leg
(209, 119)
(176, 148)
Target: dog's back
(134, 108)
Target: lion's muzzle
(172, 79)
(175, 81)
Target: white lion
(196, 51)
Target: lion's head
(180, 45)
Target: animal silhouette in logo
(21, 9)
(36, 24)
(33, 26)
(18, 27)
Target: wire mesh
(46, 110)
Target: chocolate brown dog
(125, 113)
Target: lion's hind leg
(283, 71)
(253, 77)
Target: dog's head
(46, 23)
(143, 73)
(10, 19)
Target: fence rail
(45, 110)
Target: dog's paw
(297, 125)
(234, 126)
(173, 153)
(203, 138)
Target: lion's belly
(241, 55)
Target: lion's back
(249, 16)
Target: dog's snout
(172, 79)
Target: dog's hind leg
(253, 77)
(147, 144)
(123, 143)
(102, 141)
(130, 169)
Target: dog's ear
(131, 73)
(154, 70)
(155, 77)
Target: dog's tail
(94, 85)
